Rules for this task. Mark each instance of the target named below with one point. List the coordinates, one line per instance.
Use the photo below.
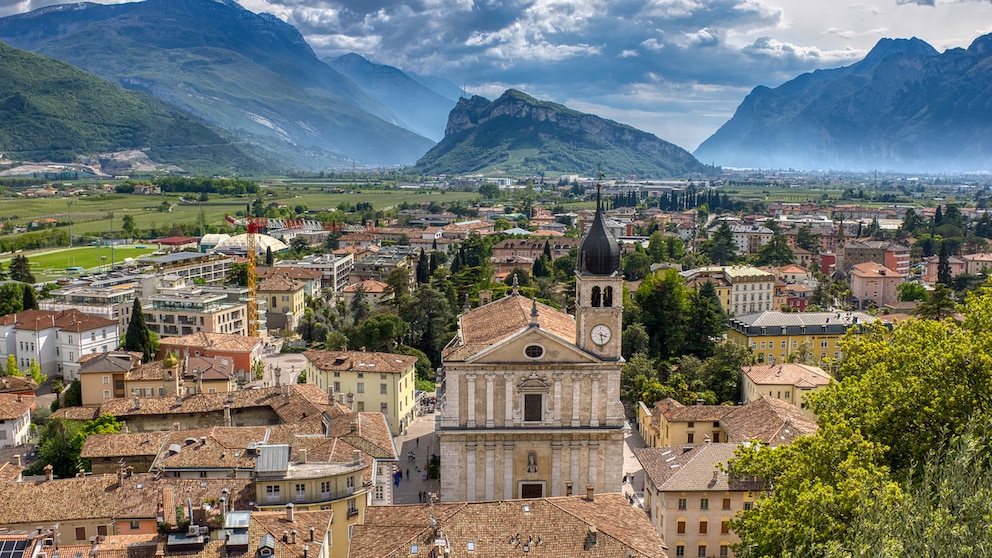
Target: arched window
(608, 296)
(595, 297)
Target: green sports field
(55, 264)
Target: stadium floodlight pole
(68, 205)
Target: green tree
(60, 447)
(940, 305)
(943, 265)
(776, 252)
(358, 307)
(20, 269)
(910, 292)
(237, 275)
(639, 381)
(11, 298)
(635, 340)
(130, 227)
(657, 247)
(542, 267)
(381, 332)
(138, 337)
(269, 257)
(398, 280)
(489, 191)
(662, 297)
(73, 396)
(636, 266)
(12, 369)
(705, 320)
(423, 269)
(29, 302)
(35, 373)
(721, 373)
(429, 315)
(807, 239)
(721, 248)
(335, 341)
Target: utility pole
(68, 205)
(111, 240)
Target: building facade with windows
(774, 335)
(750, 289)
(691, 501)
(790, 382)
(368, 381)
(56, 340)
(529, 396)
(15, 419)
(194, 310)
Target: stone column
(576, 388)
(450, 412)
(470, 472)
(508, 381)
(490, 378)
(556, 468)
(594, 411)
(490, 470)
(574, 466)
(508, 470)
(470, 423)
(593, 465)
(557, 376)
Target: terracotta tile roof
(279, 284)
(60, 500)
(212, 368)
(306, 403)
(123, 445)
(304, 273)
(690, 468)
(217, 341)
(133, 502)
(10, 472)
(792, 374)
(275, 523)
(486, 325)
(13, 406)
(677, 412)
(360, 361)
(154, 370)
(10, 384)
(211, 448)
(366, 431)
(769, 420)
(76, 321)
(113, 361)
(369, 286)
(562, 525)
(35, 320)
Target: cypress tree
(423, 268)
(138, 338)
(29, 300)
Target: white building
(56, 340)
(15, 419)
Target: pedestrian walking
(418, 442)
(407, 472)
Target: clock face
(601, 334)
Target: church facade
(530, 395)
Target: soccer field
(55, 264)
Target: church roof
(489, 324)
(599, 253)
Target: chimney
(590, 488)
(306, 548)
(700, 401)
(356, 457)
(278, 374)
(17, 459)
(290, 514)
(292, 536)
(137, 402)
(223, 508)
(285, 392)
(285, 536)
(199, 380)
(311, 534)
(49, 475)
(124, 427)
(203, 441)
(227, 414)
(303, 455)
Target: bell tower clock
(599, 290)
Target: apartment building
(773, 335)
(192, 310)
(55, 339)
(875, 285)
(750, 289)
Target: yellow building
(773, 335)
(367, 381)
(284, 299)
(691, 501)
(341, 481)
(789, 382)
(120, 374)
(750, 289)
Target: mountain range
(903, 107)
(517, 133)
(50, 110)
(251, 74)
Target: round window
(534, 351)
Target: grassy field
(92, 215)
(49, 265)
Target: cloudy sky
(677, 68)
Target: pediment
(513, 349)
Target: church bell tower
(599, 290)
